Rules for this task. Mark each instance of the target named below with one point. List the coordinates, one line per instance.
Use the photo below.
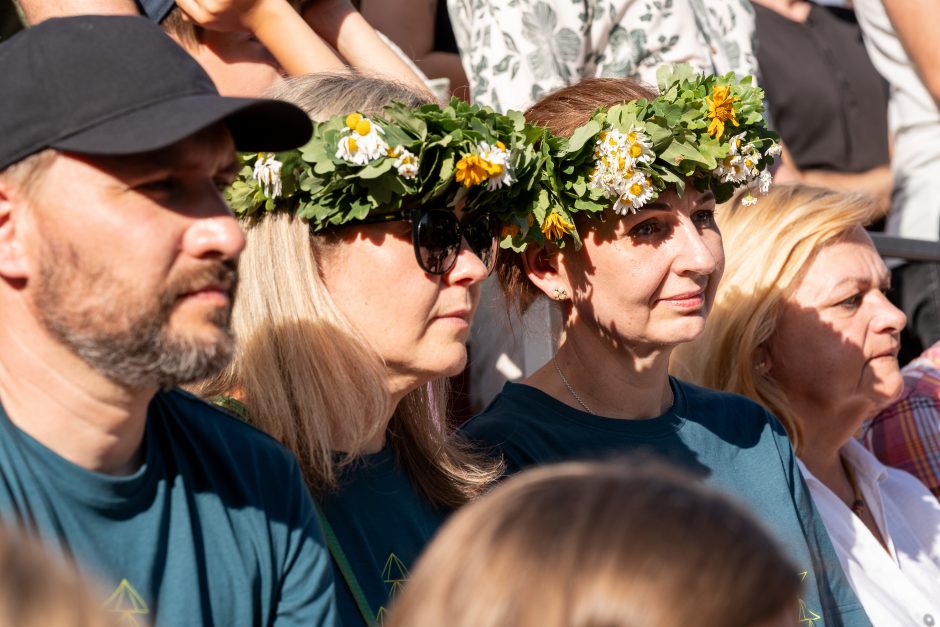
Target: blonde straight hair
(767, 249)
(305, 374)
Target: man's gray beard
(145, 356)
(138, 350)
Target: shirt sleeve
(307, 596)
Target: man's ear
(13, 262)
(542, 267)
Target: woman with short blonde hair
(601, 543)
(784, 233)
(802, 325)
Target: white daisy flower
(639, 146)
(750, 159)
(749, 200)
(731, 170)
(764, 181)
(497, 157)
(406, 162)
(736, 144)
(775, 150)
(362, 141)
(618, 157)
(268, 173)
(740, 165)
(637, 192)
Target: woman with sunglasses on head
(365, 250)
(622, 238)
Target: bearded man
(117, 273)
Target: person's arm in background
(415, 36)
(876, 182)
(38, 10)
(344, 28)
(915, 22)
(275, 24)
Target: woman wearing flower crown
(365, 250)
(621, 236)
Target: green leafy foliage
(676, 125)
(322, 187)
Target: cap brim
(257, 125)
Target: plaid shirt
(906, 435)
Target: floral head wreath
(706, 128)
(407, 157)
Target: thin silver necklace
(571, 389)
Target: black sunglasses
(437, 235)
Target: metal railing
(902, 248)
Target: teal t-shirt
(382, 522)
(730, 441)
(215, 529)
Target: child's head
(36, 590)
(582, 544)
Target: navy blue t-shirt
(382, 522)
(215, 529)
(730, 441)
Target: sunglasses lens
(481, 236)
(437, 241)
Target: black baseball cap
(118, 85)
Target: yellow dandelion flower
(721, 110)
(556, 227)
(472, 170)
(352, 120)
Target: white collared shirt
(900, 586)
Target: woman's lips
(687, 299)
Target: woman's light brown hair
(38, 590)
(562, 112)
(767, 247)
(588, 544)
(305, 374)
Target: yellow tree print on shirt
(128, 603)
(394, 574)
(807, 616)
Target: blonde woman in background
(345, 339)
(601, 543)
(809, 333)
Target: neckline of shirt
(665, 424)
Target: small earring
(559, 294)
(760, 367)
